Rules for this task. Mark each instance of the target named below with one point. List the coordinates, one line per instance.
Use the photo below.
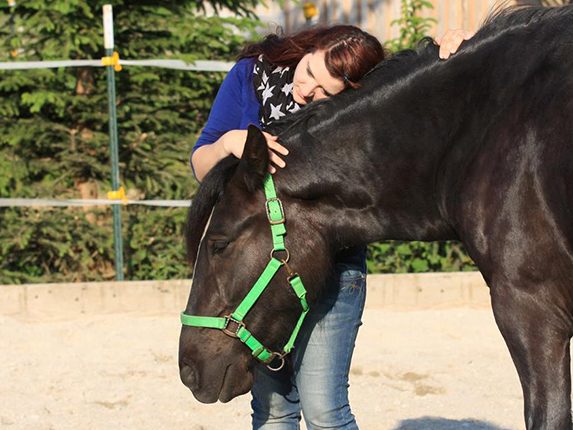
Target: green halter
(233, 324)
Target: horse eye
(219, 246)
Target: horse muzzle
(205, 393)
(216, 383)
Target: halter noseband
(232, 324)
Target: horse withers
(477, 148)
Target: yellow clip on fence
(118, 195)
(112, 61)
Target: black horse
(478, 148)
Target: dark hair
(349, 51)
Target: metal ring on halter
(284, 260)
(282, 363)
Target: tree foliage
(54, 122)
(412, 26)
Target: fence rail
(196, 66)
(5, 203)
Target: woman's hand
(234, 143)
(451, 41)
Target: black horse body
(476, 148)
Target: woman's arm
(206, 157)
(232, 142)
(225, 115)
(221, 135)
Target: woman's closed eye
(321, 91)
(324, 92)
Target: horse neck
(383, 159)
(370, 167)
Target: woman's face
(312, 81)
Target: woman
(272, 79)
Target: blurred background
(376, 16)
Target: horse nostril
(189, 377)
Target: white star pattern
(264, 80)
(274, 92)
(276, 111)
(268, 92)
(287, 89)
(294, 108)
(281, 70)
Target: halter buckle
(230, 319)
(270, 217)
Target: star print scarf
(273, 87)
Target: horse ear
(255, 159)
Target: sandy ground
(413, 370)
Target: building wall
(376, 16)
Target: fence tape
(198, 66)
(201, 65)
(90, 202)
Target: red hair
(349, 51)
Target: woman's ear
(255, 160)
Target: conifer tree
(54, 131)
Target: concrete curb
(427, 290)
(56, 301)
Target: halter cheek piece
(232, 324)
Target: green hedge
(415, 257)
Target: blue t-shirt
(236, 105)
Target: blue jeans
(317, 383)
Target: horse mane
(506, 17)
(409, 61)
(389, 70)
(204, 201)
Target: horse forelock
(205, 199)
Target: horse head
(231, 242)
